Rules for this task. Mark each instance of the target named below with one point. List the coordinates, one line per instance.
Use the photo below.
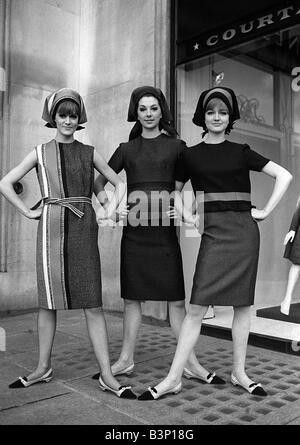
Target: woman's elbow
(288, 176)
(2, 185)
(284, 175)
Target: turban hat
(55, 98)
(227, 95)
(138, 93)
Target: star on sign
(196, 46)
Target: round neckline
(66, 143)
(151, 139)
(217, 143)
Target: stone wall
(103, 48)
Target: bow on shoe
(254, 388)
(152, 394)
(22, 382)
(124, 392)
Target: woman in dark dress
(292, 252)
(151, 264)
(227, 261)
(67, 257)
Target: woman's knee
(47, 315)
(196, 312)
(180, 304)
(242, 310)
(93, 311)
(295, 267)
(132, 303)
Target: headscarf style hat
(166, 119)
(227, 95)
(55, 98)
(138, 93)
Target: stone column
(4, 151)
(162, 46)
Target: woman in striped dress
(67, 256)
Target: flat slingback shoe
(127, 371)
(152, 394)
(22, 382)
(253, 388)
(211, 378)
(124, 392)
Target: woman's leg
(240, 334)
(46, 326)
(292, 280)
(97, 330)
(131, 325)
(188, 337)
(177, 313)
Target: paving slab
(28, 341)
(294, 422)
(21, 397)
(72, 397)
(21, 323)
(66, 409)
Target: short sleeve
(116, 160)
(254, 160)
(181, 173)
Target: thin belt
(67, 202)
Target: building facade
(106, 48)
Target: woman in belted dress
(227, 262)
(151, 263)
(67, 256)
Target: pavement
(73, 398)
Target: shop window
(256, 97)
(296, 111)
(260, 74)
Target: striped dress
(67, 256)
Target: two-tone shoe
(152, 394)
(211, 378)
(124, 392)
(125, 371)
(254, 388)
(23, 382)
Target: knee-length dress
(226, 267)
(151, 262)
(292, 249)
(67, 255)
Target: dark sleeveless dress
(292, 249)
(151, 263)
(68, 262)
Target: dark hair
(230, 123)
(67, 107)
(137, 129)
